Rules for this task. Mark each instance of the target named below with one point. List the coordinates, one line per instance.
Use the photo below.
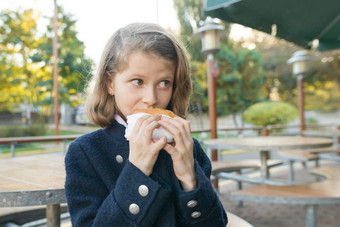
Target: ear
(110, 85)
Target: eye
(164, 84)
(137, 82)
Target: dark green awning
(298, 21)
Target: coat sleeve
(201, 207)
(92, 203)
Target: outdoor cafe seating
(321, 188)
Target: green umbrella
(298, 21)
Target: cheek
(166, 97)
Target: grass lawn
(62, 133)
(34, 148)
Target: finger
(142, 123)
(184, 123)
(138, 125)
(177, 128)
(170, 149)
(171, 128)
(149, 125)
(148, 131)
(153, 118)
(160, 143)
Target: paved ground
(264, 214)
(269, 215)
(278, 215)
(275, 215)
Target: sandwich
(158, 132)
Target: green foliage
(20, 131)
(238, 85)
(311, 120)
(190, 14)
(18, 42)
(322, 87)
(26, 62)
(270, 113)
(241, 74)
(322, 81)
(199, 97)
(74, 67)
(240, 80)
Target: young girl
(141, 182)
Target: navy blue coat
(101, 184)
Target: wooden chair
(293, 156)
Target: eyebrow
(168, 77)
(161, 77)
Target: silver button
(192, 203)
(134, 208)
(143, 190)
(119, 159)
(195, 214)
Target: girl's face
(145, 83)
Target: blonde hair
(149, 38)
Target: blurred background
(252, 65)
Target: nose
(150, 97)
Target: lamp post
(55, 69)
(210, 34)
(299, 61)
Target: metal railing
(66, 138)
(31, 139)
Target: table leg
(264, 167)
(239, 187)
(291, 170)
(219, 155)
(336, 141)
(310, 216)
(53, 215)
(209, 153)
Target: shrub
(25, 130)
(270, 113)
(312, 120)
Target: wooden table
(335, 134)
(310, 195)
(266, 144)
(34, 181)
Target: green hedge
(270, 113)
(23, 130)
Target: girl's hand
(181, 151)
(143, 149)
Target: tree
(238, 85)
(19, 41)
(26, 61)
(322, 85)
(190, 14)
(241, 75)
(321, 82)
(241, 79)
(74, 68)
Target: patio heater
(210, 33)
(299, 61)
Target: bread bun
(158, 132)
(156, 111)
